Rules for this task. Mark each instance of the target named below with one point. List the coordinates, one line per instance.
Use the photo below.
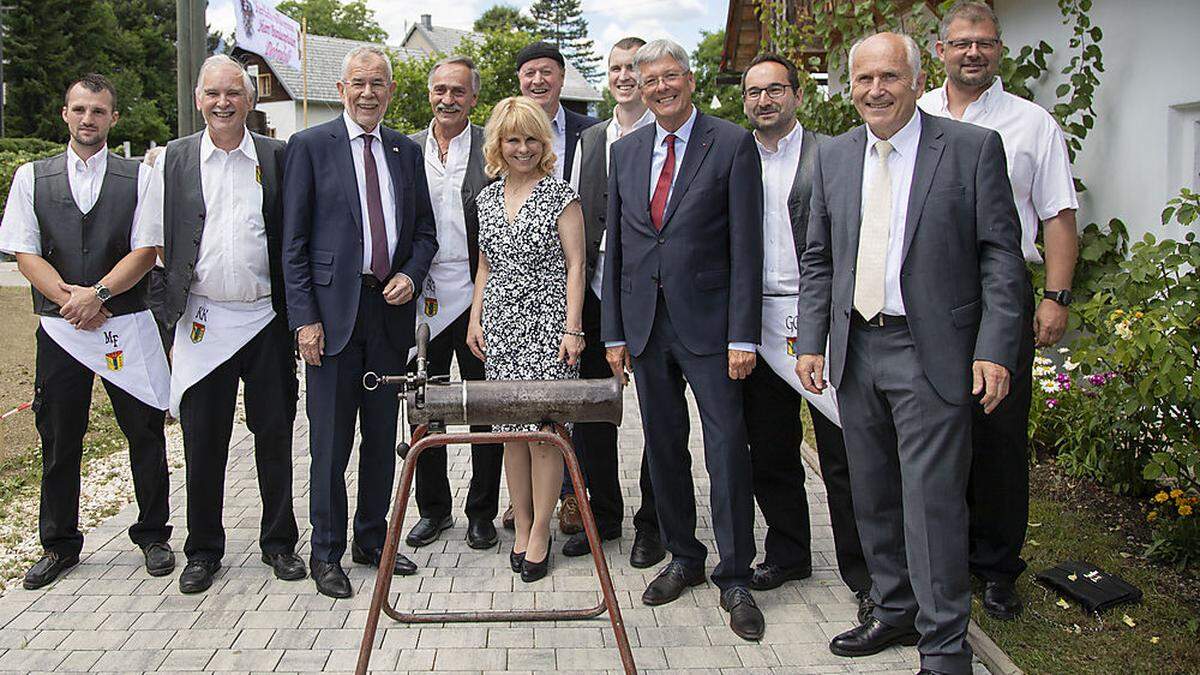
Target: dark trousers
(661, 372)
(773, 426)
(910, 456)
(998, 493)
(835, 472)
(268, 368)
(61, 401)
(335, 398)
(487, 459)
(596, 444)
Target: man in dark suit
(771, 94)
(216, 196)
(359, 236)
(596, 442)
(913, 271)
(453, 152)
(682, 299)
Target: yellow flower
(1161, 497)
(1138, 315)
(1152, 516)
(1176, 493)
(1118, 312)
(1185, 510)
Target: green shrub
(35, 145)
(16, 151)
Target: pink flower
(1051, 402)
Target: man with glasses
(358, 239)
(682, 307)
(453, 149)
(1040, 171)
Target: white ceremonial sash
(208, 334)
(126, 350)
(445, 296)
(778, 349)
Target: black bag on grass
(1091, 587)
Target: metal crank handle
(372, 380)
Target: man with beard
(771, 94)
(1040, 171)
(70, 220)
(453, 149)
(596, 442)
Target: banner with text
(266, 31)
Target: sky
(608, 20)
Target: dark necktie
(658, 203)
(380, 265)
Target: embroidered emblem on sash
(115, 360)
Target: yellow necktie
(873, 237)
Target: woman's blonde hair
(516, 116)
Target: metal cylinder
(518, 402)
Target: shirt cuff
(614, 343)
(743, 346)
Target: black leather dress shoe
(481, 534)
(362, 556)
(198, 575)
(767, 576)
(426, 531)
(287, 566)
(48, 568)
(926, 671)
(532, 571)
(330, 578)
(577, 544)
(866, 606)
(160, 559)
(671, 582)
(872, 637)
(745, 618)
(1000, 600)
(647, 550)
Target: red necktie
(380, 265)
(658, 203)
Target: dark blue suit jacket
(322, 231)
(708, 256)
(576, 123)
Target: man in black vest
(453, 151)
(771, 93)
(215, 195)
(597, 442)
(70, 222)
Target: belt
(880, 320)
(370, 281)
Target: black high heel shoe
(532, 571)
(516, 561)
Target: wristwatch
(102, 292)
(1062, 297)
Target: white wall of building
(1146, 142)
(287, 117)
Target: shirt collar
(431, 144)
(97, 162)
(619, 131)
(985, 102)
(354, 131)
(792, 136)
(246, 147)
(560, 121)
(681, 134)
(904, 141)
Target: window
(263, 84)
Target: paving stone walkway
(107, 614)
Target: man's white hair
(218, 60)
(658, 49)
(911, 51)
(364, 50)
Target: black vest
(83, 247)
(593, 189)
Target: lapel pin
(395, 149)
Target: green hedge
(16, 151)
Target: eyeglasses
(774, 92)
(965, 44)
(670, 79)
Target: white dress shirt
(1039, 167)
(558, 125)
(387, 191)
(19, 231)
(901, 164)
(781, 270)
(445, 192)
(613, 131)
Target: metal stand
(423, 440)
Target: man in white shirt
(70, 220)
(224, 304)
(1039, 169)
(453, 151)
(596, 443)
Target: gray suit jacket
(801, 196)
(961, 274)
(475, 180)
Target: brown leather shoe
(569, 520)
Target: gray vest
(83, 247)
(593, 189)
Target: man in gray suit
(913, 271)
(453, 150)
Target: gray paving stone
(245, 660)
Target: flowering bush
(1176, 527)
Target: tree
(706, 63)
(352, 20)
(562, 22)
(504, 18)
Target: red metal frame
(422, 441)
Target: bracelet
(576, 333)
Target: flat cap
(539, 50)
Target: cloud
(396, 16)
(626, 10)
(220, 16)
